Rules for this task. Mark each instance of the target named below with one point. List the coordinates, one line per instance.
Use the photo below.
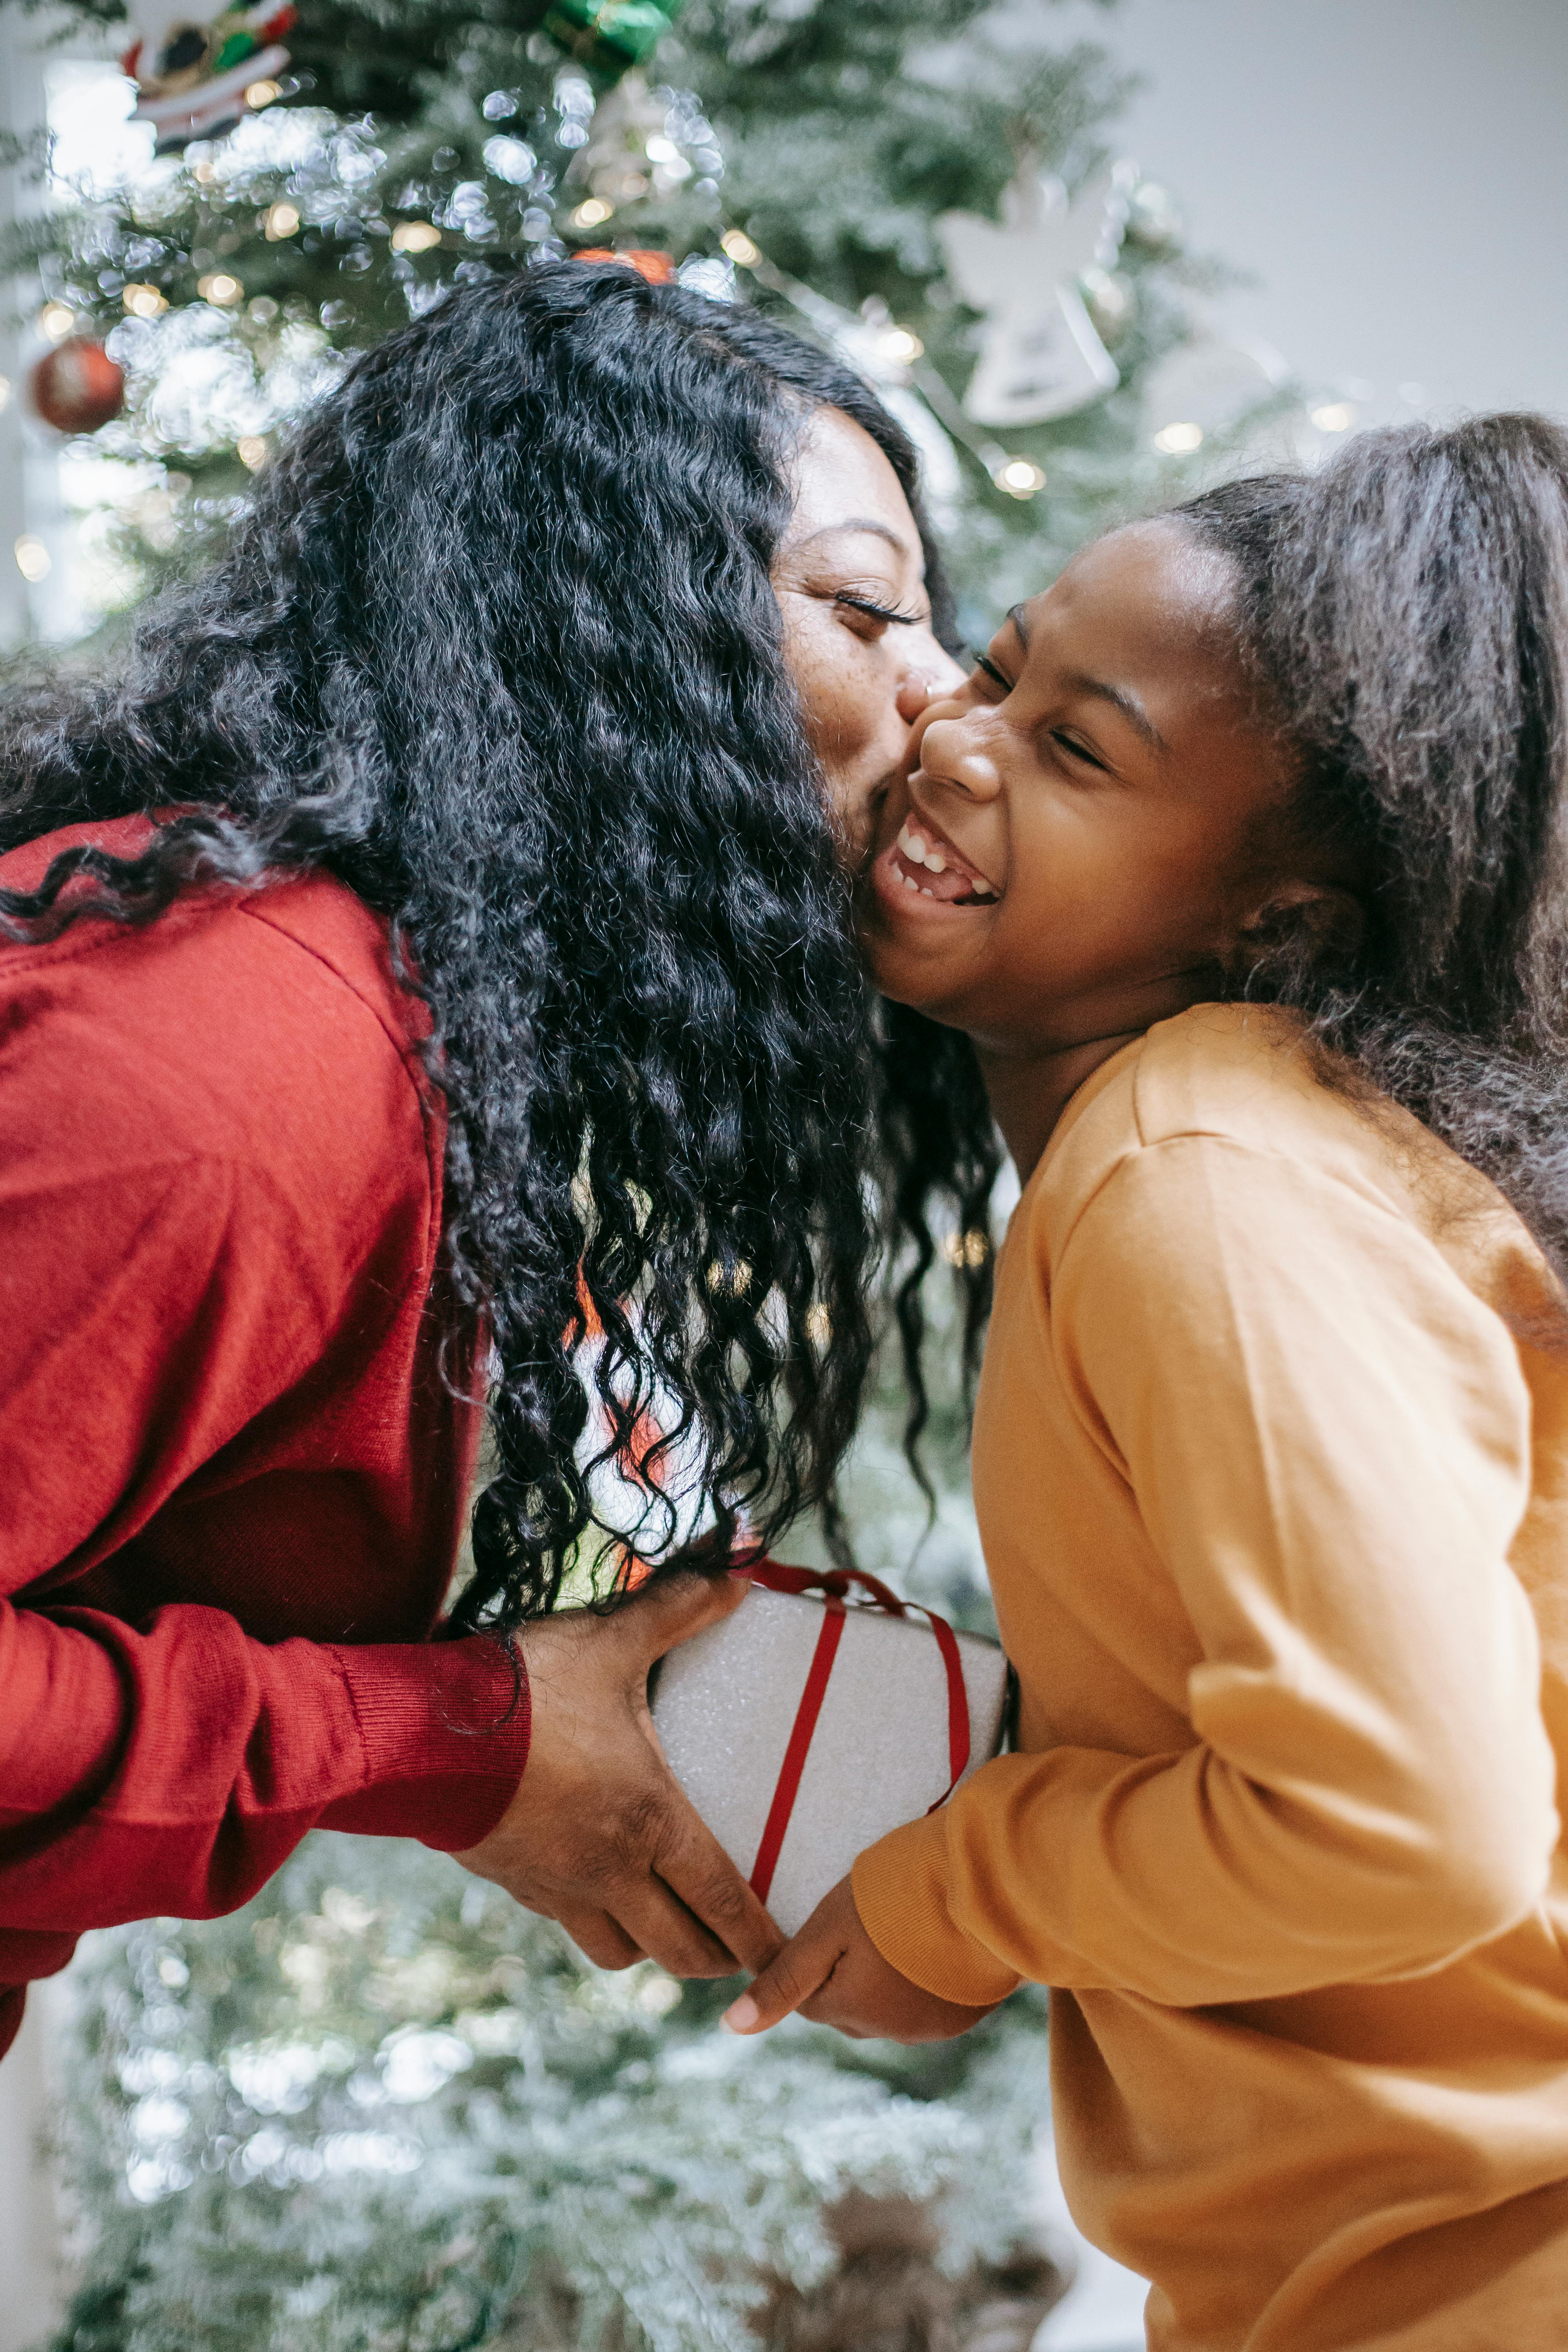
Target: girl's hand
(833, 1973)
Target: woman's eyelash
(985, 662)
(878, 612)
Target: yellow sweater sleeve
(1327, 1437)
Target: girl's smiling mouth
(922, 863)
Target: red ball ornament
(657, 268)
(76, 387)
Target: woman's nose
(955, 751)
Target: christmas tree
(380, 2106)
(842, 166)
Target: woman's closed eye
(854, 602)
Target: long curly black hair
(497, 646)
(1403, 615)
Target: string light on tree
(625, 151)
(415, 237)
(1334, 416)
(902, 345)
(32, 558)
(1020, 477)
(143, 301)
(1179, 440)
(1110, 302)
(1152, 221)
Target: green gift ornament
(610, 36)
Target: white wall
(31, 503)
(30, 2275)
(1392, 172)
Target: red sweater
(231, 1479)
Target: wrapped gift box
(813, 1720)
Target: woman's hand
(833, 1973)
(600, 1834)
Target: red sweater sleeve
(178, 1265)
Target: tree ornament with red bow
(196, 77)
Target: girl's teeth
(919, 852)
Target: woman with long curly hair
(428, 983)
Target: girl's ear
(1301, 925)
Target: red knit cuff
(445, 1727)
(13, 2000)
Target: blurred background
(1093, 255)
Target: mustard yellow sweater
(1271, 1468)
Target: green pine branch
(836, 136)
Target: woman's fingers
(667, 1931)
(669, 1610)
(792, 1976)
(598, 1827)
(606, 1944)
(695, 1866)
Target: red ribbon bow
(834, 1584)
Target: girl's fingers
(802, 1968)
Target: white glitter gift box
(804, 1730)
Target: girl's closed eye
(1067, 745)
(984, 662)
(1071, 749)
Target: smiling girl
(1242, 859)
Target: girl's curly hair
(497, 646)
(1403, 615)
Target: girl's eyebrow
(1123, 699)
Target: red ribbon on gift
(833, 1584)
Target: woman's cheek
(851, 706)
(817, 652)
